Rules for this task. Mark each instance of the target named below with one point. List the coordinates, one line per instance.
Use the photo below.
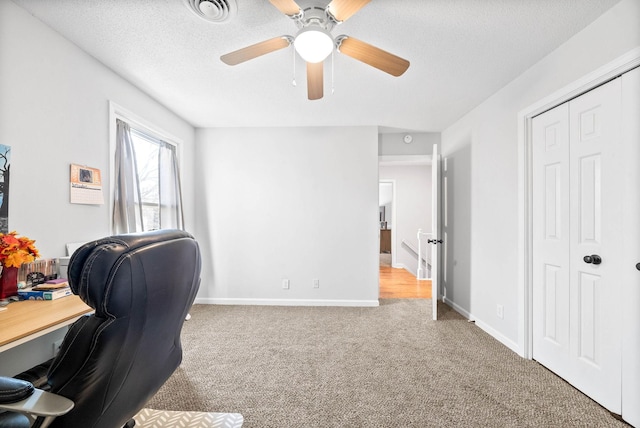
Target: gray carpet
(390, 366)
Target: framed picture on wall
(5, 169)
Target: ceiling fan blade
(254, 51)
(342, 10)
(315, 80)
(373, 56)
(288, 7)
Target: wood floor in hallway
(398, 283)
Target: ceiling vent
(219, 11)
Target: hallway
(398, 283)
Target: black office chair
(113, 361)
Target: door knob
(593, 259)
(638, 266)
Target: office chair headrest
(94, 266)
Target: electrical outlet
(56, 347)
(285, 284)
(500, 311)
(316, 283)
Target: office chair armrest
(38, 404)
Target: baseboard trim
(403, 266)
(286, 302)
(485, 327)
(499, 337)
(457, 308)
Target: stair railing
(422, 236)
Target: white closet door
(577, 214)
(596, 231)
(630, 303)
(551, 239)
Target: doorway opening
(404, 209)
(386, 206)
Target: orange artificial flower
(16, 250)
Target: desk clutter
(50, 290)
(37, 272)
(47, 277)
(38, 280)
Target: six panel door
(577, 230)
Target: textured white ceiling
(461, 51)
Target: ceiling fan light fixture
(313, 44)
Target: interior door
(596, 237)
(577, 231)
(551, 239)
(631, 250)
(436, 240)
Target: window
(146, 149)
(147, 194)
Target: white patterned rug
(149, 418)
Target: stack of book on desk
(50, 290)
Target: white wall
(53, 112)
(413, 209)
(456, 222)
(288, 203)
(483, 146)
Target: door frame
(437, 265)
(615, 68)
(393, 215)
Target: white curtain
(128, 209)
(171, 216)
(127, 206)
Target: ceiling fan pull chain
(294, 67)
(333, 89)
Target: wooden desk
(24, 321)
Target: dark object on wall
(5, 169)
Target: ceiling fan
(314, 41)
